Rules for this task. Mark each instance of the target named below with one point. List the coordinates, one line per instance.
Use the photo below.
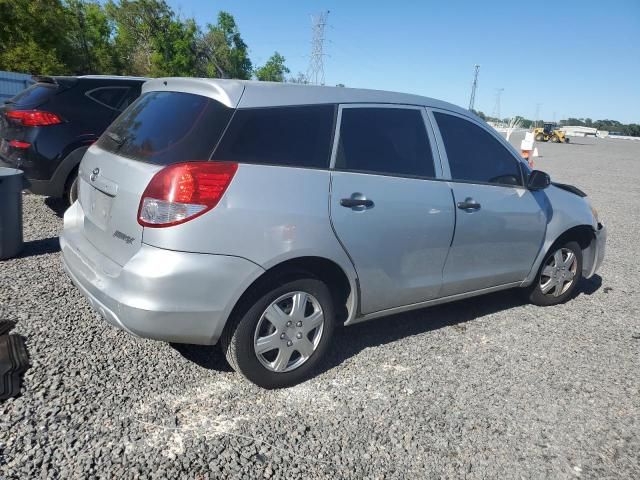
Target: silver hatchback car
(262, 215)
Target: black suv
(45, 129)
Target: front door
(500, 225)
(389, 210)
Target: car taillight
(33, 118)
(19, 144)
(184, 191)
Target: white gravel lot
(485, 388)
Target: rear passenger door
(388, 208)
(500, 225)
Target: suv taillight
(33, 118)
(183, 191)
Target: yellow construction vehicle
(550, 132)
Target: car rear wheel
(559, 275)
(71, 188)
(283, 335)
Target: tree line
(124, 37)
(612, 126)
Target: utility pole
(315, 72)
(537, 114)
(496, 108)
(474, 86)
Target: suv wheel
(71, 188)
(559, 275)
(283, 335)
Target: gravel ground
(484, 388)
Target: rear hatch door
(160, 128)
(34, 97)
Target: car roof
(74, 78)
(253, 94)
(113, 77)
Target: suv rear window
(298, 136)
(167, 127)
(34, 95)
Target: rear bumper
(159, 294)
(41, 180)
(46, 187)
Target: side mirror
(538, 180)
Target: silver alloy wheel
(559, 272)
(289, 331)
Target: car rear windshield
(167, 127)
(35, 95)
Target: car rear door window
(390, 141)
(167, 127)
(298, 136)
(110, 97)
(475, 155)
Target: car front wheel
(283, 335)
(559, 275)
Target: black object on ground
(11, 185)
(14, 361)
(6, 326)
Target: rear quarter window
(298, 136)
(167, 127)
(110, 97)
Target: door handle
(469, 204)
(356, 202)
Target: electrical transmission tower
(315, 73)
(474, 87)
(496, 108)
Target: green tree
(140, 27)
(299, 78)
(175, 54)
(90, 36)
(33, 37)
(274, 70)
(221, 51)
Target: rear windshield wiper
(116, 138)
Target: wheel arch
(68, 165)
(343, 288)
(583, 234)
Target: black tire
(555, 139)
(566, 140)
(71, 188)
(535, 292)
(539, 137)
(237, 341)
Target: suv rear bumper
(35, 175)
(159, 294)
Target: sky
(573, 58)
